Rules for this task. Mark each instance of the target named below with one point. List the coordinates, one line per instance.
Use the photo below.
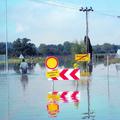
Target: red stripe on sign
(83, 57)
(62, 74)
(55, 93)
(54, 78)
(74, 96)
(73, 74)
(63, 96)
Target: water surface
(25, 97)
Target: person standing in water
(24, 66)
(89, 50)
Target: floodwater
(25, 97)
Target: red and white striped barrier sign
(67, 74)
(67, 96)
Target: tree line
(25, 47)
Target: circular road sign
(51, 62)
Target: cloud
(48, 24)
(19, 28)
(44, 23)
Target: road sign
(51, 62)
(82, 57)
(75, 65)
(68, 96)
(67, 74)
(52, 74)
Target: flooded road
(25, 97)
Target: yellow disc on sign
(53, 106)
(75, 65)
(51, 62)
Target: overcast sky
(45, 23)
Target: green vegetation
(65, 52)
(114, 61)
(18, 60)
(28, 49)
(106, 48)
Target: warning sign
(75, 65)
(51, 62)
(52, 74)
(82, 57)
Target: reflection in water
(90, 114)
(90, 67)
(55, 97)
(52, 108)
(16, 68)
(86, 80)
(108, 84)
(52, 105)
(24, 81)
(117, 67)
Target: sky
(43, 22)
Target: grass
(18, 60)
(114, 61)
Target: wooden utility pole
(86, 10)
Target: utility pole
(6, 56)
(86, 10)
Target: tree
(60, 48)
(67, 48)
(22, 46)
(78, 47)
(42, 49)
(2, 48)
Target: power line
(106, 14)
(62, 5)
(55, 4)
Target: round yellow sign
(75, 65)
(51, 62)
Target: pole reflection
(89, 114)
(53, 104)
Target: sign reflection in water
(55, 97)
(52, 105)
